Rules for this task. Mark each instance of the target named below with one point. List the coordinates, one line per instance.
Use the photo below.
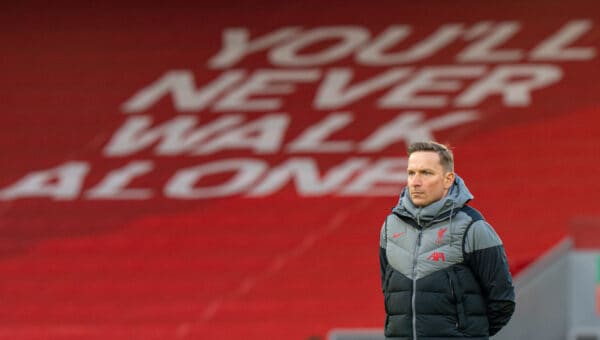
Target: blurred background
(221, 170)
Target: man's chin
(419, 202)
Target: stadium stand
(221, 171)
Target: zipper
(457, 294)
(414, 283)
(452, 287)
(453, 297)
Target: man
(444, 271)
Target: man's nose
(416, 181)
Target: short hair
(446, 157)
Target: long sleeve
(486, 256)
(382, 257)
(382, 263)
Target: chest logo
(440, 235)
(396, 235)
(437, 256)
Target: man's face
(427, 179)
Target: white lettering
(181, 85)
(515, 92)
(428, 80)
(265, 82)
(60, 183)
(331, 93)
(264, 135)
(556, 46)
(374, 53)
(305, 174)
(246, 171)
(175, 136)
(410, 127)
(483, 50)
(388, 171)
(348, 37)
(113, 186)
(313, 138)
(236, 45)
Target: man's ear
(448, 180)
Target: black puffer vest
(430, 292)
(430, 289)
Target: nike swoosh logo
(396, 235)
